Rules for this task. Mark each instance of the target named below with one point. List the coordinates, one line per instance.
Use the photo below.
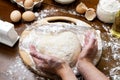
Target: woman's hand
(44, 62)
(52, 64)
(90, 48)
(84, 63)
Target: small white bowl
(106, 10)
(64, 1)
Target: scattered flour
(113, 47)
(115, 73)
(14, 70)
(47, 12)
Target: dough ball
(65, 45)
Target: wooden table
(11, 65)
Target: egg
(15, 16)
(28, 3)
(28, 16)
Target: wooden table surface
(11, 65)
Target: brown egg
(28, 3)
(81, 8)
(15, 16)
(28, 16)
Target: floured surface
(12, 71)
(109, 62)
(111, 55)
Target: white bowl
(64, 1)
(106, 10)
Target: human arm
(66, 73)
(90, 72)
(84, 63)
(52, 64)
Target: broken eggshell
(90, 14)
(30, 5)
(81, 8)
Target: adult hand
(44, 62)
(52, 64)
(84, 63)
(90, 48)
